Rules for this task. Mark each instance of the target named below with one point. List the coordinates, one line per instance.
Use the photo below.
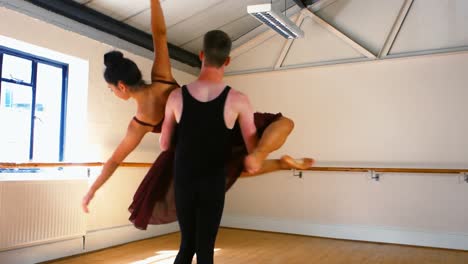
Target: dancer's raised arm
(162, 65)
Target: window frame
(34, 63)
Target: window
(33, 92)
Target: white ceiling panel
(141, 21)
(368, 22)
(239, 27)
(215, 17)
(194, 46)
(433, 24)
(234, 30)
(263, 56)
(119, 9)
(176, 11)
(318, 45)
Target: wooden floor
(240, 246)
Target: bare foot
(254, 161)
(287, 162)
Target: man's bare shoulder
(176, 94)
(237, 97)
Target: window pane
(15, 68)
(15, 117)
(48, 113)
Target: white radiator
(36, 212)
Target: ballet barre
(69, 164)
(374, 172)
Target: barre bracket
(375, 175)
(297, 173)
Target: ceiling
(348, 31)
(188, 20)
(336, 31)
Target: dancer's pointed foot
(287, 162)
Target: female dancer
(153, 202)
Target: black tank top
(203, 139)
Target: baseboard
(94, 240)
(43, 252)
(120, 235)
(391, 235)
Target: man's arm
(169, 124)
(246, 121)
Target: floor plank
(243, 246)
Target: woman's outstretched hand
(86, 200)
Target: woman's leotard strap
(142, 123)
(166, 82)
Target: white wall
(107, 120)
(401, 113)
(407, 112)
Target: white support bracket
(254, 42)
(375, 176)
(396, 28)
(339, 34)
(288, 43)
(297, 173)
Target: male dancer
(204, 113)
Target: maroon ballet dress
(153, 202)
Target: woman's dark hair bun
(113, 59)
(119, 68)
